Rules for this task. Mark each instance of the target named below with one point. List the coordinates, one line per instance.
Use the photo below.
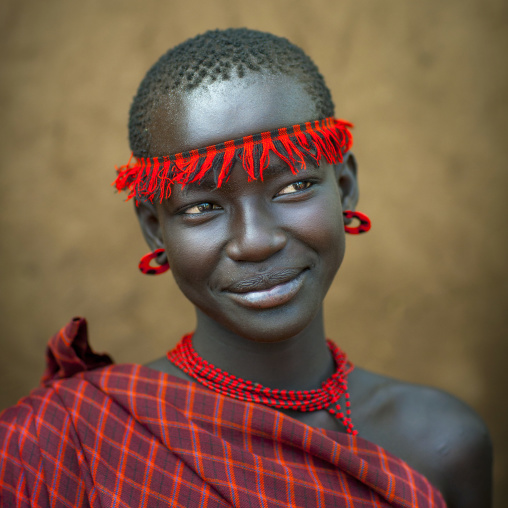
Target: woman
(255, 408)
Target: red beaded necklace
(185, 357)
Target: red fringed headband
(152, 178)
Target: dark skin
(288, 230)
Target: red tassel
(229, 154)
(153, 178)
(264, 160)
(247, 157)
(211, 152)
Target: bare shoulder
(437, 434)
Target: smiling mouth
(269, 290)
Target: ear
(346, 174)
(150, 227)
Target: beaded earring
(147, 268)
(364, 225)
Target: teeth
(266, 293)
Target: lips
(267, 290)
(264, 281)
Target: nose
(255, 234)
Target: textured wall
(422, 297)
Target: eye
(201, 208)
(299, 186)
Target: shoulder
(52, 401)
(21, 457)
(42, 438)
(437, 434)
(29, 414)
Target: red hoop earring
(364, 225)
(147, 268)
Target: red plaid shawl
(128, 436)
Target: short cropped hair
(217, 55)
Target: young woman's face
(257, 257)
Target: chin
(273, 325)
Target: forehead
(227, 110)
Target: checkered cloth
(129, 436)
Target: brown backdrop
(422, 297)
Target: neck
(301, 362)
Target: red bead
(326, 397)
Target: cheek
(320, 225)
(332, 242)
(193, 253)
(327, 238)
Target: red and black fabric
(126, 435)
(152, 178)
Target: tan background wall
(422, 297)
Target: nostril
(256, 247)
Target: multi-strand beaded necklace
(185, 357)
